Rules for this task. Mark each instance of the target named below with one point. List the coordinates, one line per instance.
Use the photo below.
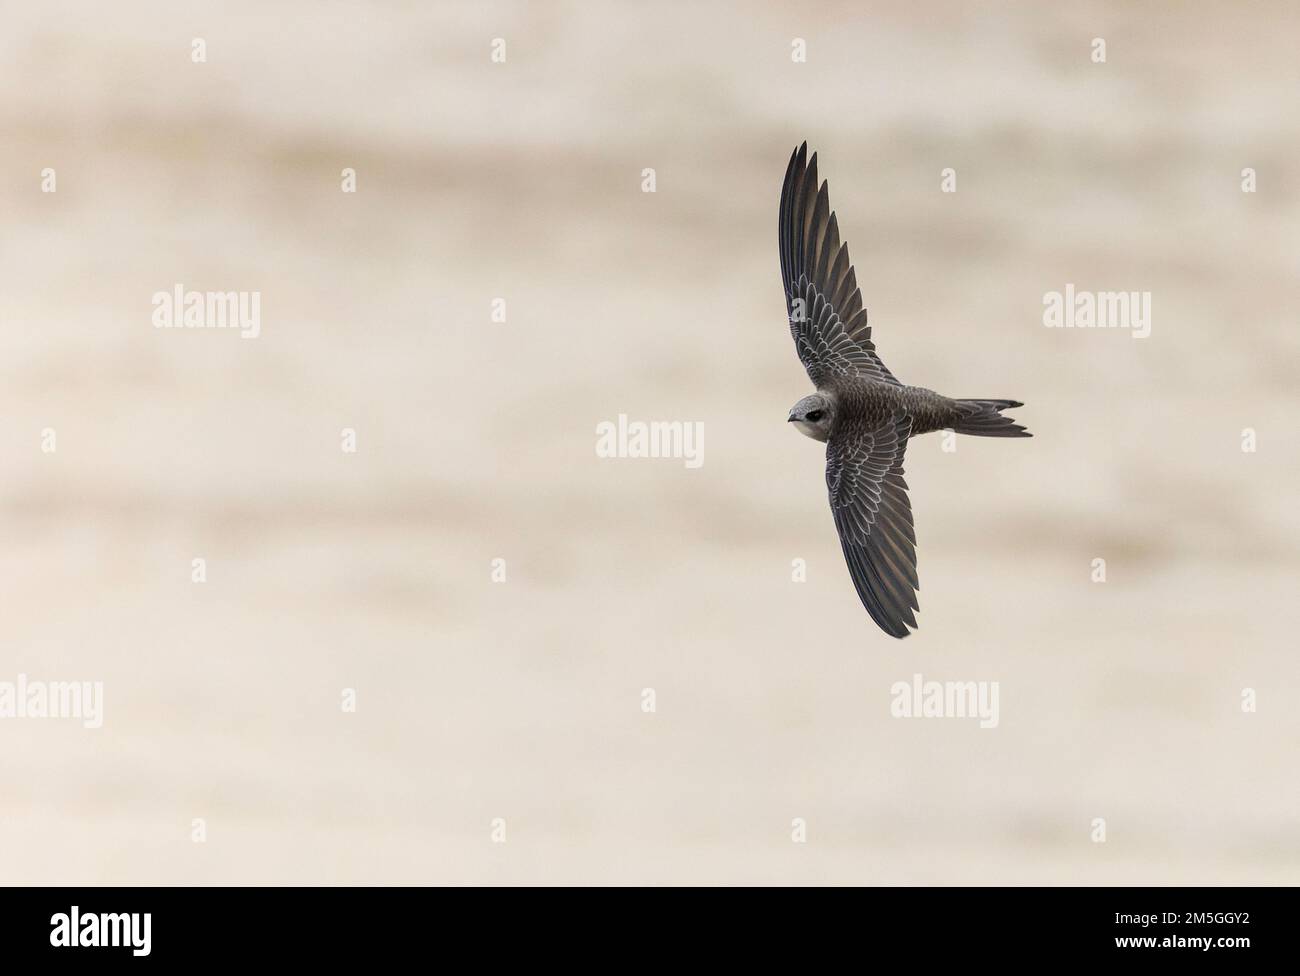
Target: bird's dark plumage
(862, 412)
(827, 318)
(864, 474)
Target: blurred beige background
(476, 441)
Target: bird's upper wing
(827, 319)
(864, 474)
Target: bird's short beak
(790, 419)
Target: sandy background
(476, 441)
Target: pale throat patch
(807, 429)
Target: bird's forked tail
(983, 418)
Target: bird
(860, 411)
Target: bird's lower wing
(864, 475)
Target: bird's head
(813, 415)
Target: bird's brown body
(871, 403)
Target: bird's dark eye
(814, 415)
